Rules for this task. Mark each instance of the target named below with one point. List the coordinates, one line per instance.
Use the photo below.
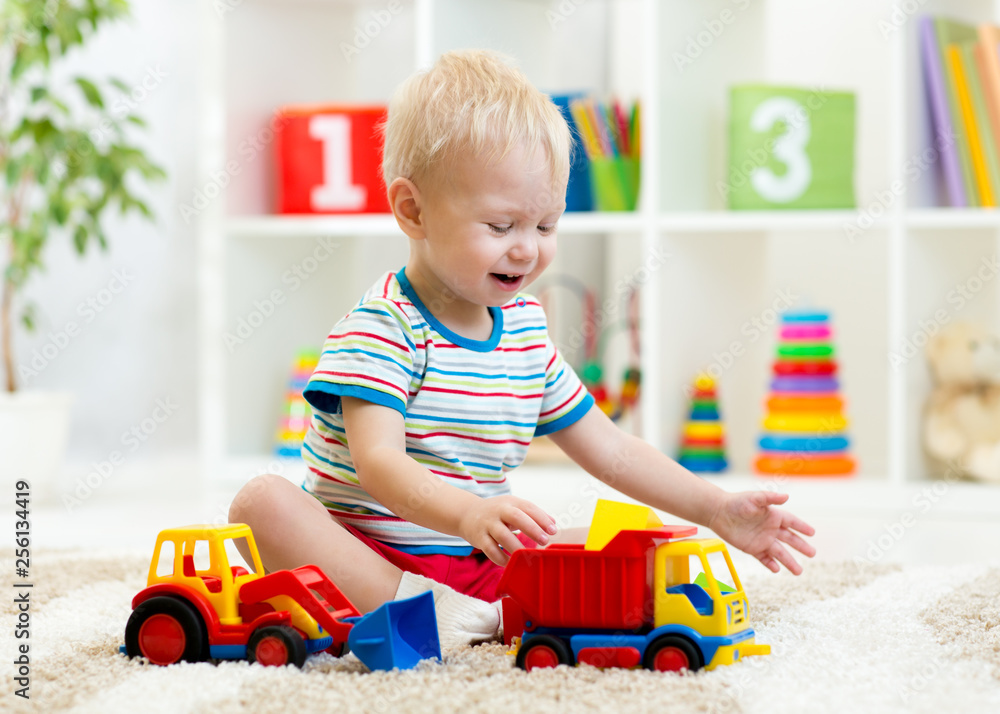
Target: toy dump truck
(211, 610)
(626, 598)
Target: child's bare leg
(292, 528)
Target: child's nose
(525, 248)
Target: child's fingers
(786, 559)
(517, 519)
(502, 535)
(539, 516)
(493, 552)
(798, 524)
(793, 539)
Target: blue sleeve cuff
(325, 396)
(573, 416)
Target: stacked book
(961, 68)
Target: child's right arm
(377, 441)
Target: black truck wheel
(543, 651)
(165, 630)
(672, 653)
(276, 646)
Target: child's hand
(492, 522)
(751, 523)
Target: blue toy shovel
(397, 634)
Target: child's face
(485, 222)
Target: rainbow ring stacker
(804, 426)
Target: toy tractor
(211, 610)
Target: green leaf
(80, 236)
(90, 91)
(39, 93)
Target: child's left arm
(747, 520)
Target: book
(949, 31)
(988, 62)
(942, 130)
(984, 129)
(963, 94)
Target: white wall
(139, 348)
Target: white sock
(461, 619)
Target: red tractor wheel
(672, 653)
(543, 651)
(277, 646)
(165, 630)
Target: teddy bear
(961, 425)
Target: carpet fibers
(843, 638)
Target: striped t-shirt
(470, 407)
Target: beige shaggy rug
(844, 639)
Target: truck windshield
(719, 567)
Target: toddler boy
(430, 390)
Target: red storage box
(330, 159)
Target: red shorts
(473, 574)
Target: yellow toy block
(612, 517)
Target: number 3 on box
(789, 148)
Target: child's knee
(258, 493)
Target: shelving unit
(706, 273)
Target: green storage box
(790, 148)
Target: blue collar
(487, 345)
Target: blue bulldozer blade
(397, 634)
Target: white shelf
(758, 221)
(948, 218)
(706, 273)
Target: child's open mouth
(508, 281)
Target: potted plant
(66, 161)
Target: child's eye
(498, 230)
(546, 230)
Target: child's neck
(469, 320)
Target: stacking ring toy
(708, 430)
(805, 368)
(805, 384)
(821, 422)
(811, 350)
(805, 466)
(794, 402)
(796, 444)
(805, 332)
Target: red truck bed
(564, 585)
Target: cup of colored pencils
(611, 138)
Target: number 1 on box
(337, 192)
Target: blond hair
(470, 100)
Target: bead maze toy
(703, 448)
(222, 611)
(601, 603)
(595, 342)
(804, 427)
(296, 413)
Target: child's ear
(405, 200)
